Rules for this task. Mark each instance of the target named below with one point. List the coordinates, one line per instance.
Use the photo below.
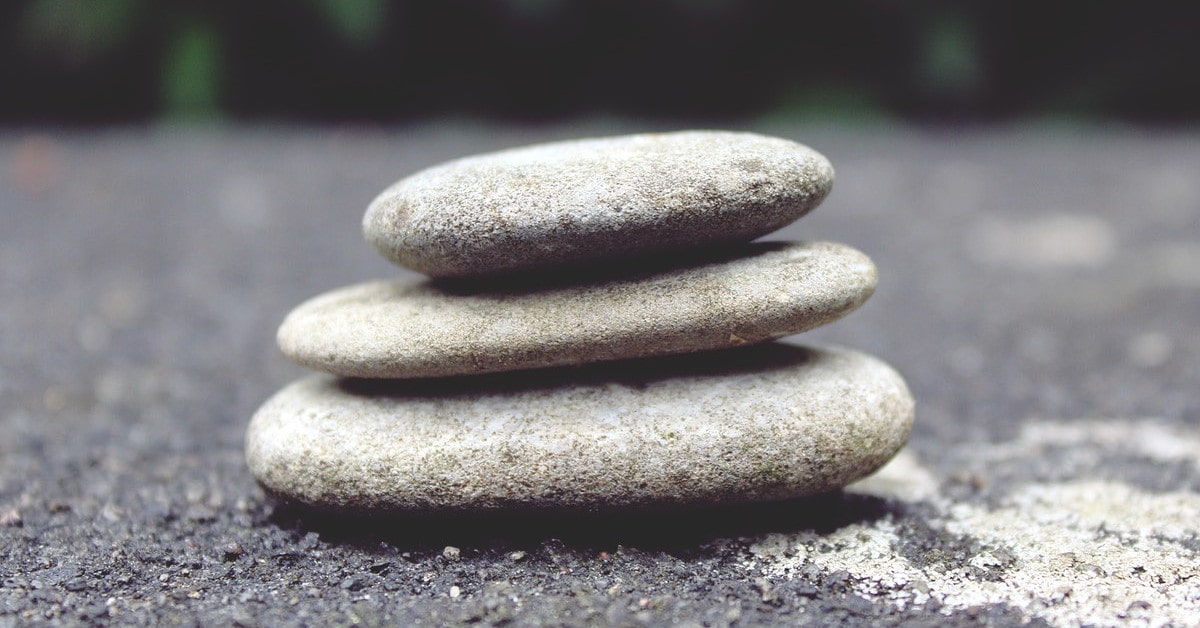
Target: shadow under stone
(674, 530)
(635, 373)
(597, 273)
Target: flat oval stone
(761, 423)
(414, 328)
(586, 200)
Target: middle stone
(420, 328)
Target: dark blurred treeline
(100, 61)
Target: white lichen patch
(1077, 552)
(1087, 552)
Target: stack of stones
(591, 335)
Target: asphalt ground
(1040, 291)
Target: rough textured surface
(411, 328)
(1039, 290)
(761, 423)
(587, 200)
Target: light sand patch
(903, 478)
(1058, 239)
(1150, 349)
(1153, 439)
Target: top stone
(594, 199)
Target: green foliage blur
(104, 61)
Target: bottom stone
(758, 423)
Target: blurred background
(99, 62)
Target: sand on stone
(413, 328)
(765, 422)
(586, 200)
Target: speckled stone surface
(586, 200)
(760, 423)
(414, 328)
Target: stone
(760, 423)
(414, 328)
(588, 200)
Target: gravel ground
(1039, 289)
